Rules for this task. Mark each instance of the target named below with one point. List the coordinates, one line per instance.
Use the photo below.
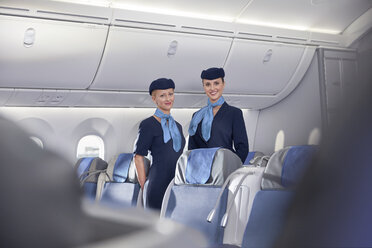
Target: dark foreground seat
(41, 205)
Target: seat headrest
(207, 166)
(286, 167)
(122, 168)
(256, 158)
(88, 168)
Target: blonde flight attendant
(218, 124)
(161, 135)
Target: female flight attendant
(161, 135)
(218, 124)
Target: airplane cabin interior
(74, 80)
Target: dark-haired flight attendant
(161, 135)
(218, 124)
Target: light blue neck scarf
(170, 130)
(205, 114)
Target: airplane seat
(88, 170)
(256, 158)
(250, 180)
(47, 210)
(244, 184)
(118, 186)
(268, 215)
(198, 183)
(287, 166)
(269, 210)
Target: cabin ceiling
(325, 16)
(104, 53)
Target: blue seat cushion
(295, 164)
(90, 190)
(191, 204)
(121, 167)
(120, 194)
(84, 166)
(267, 218)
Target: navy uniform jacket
(227, 127)
(164, 159)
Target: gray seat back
(286, 166)
(191, 203)
(224, 163)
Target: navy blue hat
(161, 84)
(212, 73)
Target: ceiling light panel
(219, 10)
(325, 16)
(102, 3)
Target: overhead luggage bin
(261, 68)
(5, 94)
(133, 58)
(39, 53)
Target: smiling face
(213, 88)
(163, 99)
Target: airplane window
(37, 141)
(91, 146)
(314, 137)
(279, 141)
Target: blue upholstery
(120, 187)
(88, 169)
(123, 194)
(295, 164)
(249, 157)
(267, 218)
(122, 166)
(191, 205)
(199, 165)
(83, 166)
(90, 190)
(270, 205)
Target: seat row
(230, 203)
(116, 182)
